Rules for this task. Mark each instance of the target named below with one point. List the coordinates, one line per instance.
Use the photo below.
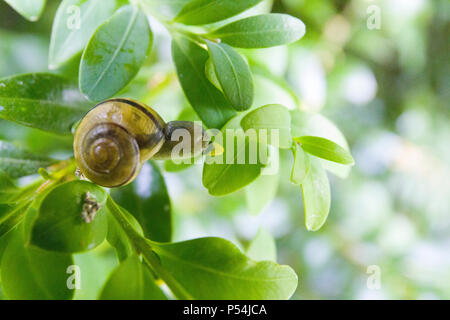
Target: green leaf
(8, 190)
(70, 36)
(198, 12)
(316, 196)
(208, 102)
(261, 31)
(115, 53)
(210, 268)
(148, 201)
(11, 216)
(301, 166)
(325, 149)
(29, 9)
(262, 247)
(41, 100)
(236, 167)
(30, 273)
(268, 118)
(17, 162)
(233, 74)
(71, 218)
(131, 280)
(214, 268)
(314, 124)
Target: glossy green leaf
(233, 74)
(30, 273)
(41, 100)
(301, 166)
(17, 162)
(199, 12)
(148, 201)
(11, 216)
(325, 149)
(314, 124)
(262, 247)
(208, 102)
(261, 31)
(131, 280)
(74, 23)
(115, 53)
(316, 196)
(268, 118)
(29, 9)
(71, 218)
(239, 164)
(213, 268)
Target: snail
(118, 136)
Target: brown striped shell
(115, 138)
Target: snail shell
(115, 138)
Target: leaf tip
(314, 224)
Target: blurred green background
(388, 91)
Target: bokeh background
(387, 90)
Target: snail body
(118, 136)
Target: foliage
(43, 223)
